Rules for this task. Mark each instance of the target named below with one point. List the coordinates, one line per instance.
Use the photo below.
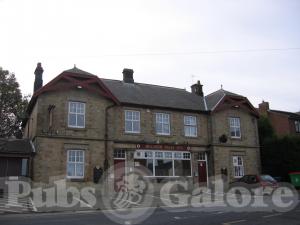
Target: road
(159, 217)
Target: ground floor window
(24, 170)
(164, 163)
(238, 166)
(75, 164)
(119, 154)
(202, 156)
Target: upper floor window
(235, 127)
(190, 126)
(132, 121)
(297, 126)
(162, 123)
(75, 164)
(238, 166)
(76, 114)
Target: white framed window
(235, 127)
(190, 126)
(297, 126)
(75, 164)
(202, 156)
(238, 166)
(164, 163)
(76, 115)
(162, 123)
(119, 154)
(132, 121)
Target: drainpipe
(106, 164)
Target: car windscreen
(267, 178)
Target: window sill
(163, 135)
(191, 137)
(236, 138)
(75, 179)
(133, 133)
(77, 128)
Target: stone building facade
(81, 125)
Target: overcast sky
(172, 43)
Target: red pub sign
(164, 147)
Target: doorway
(119, 169)
(202, 169)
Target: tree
(12, 105)
(279, 155)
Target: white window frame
(83, 163)
(235, 125)
(119, 154)
(187, 124)
(162, 115)
(161, 155)
(76, 113)
(202, 156)
(132, 121)
(297, 126)
(238, 166)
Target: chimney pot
(128, 75)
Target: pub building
(81, 125)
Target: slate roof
(289, 114)
(15, 146)
(153, 95)
(78, 71)
(214, 98)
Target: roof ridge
(181, 89)
(281, 111)
(79, 71)
(225, 92)
(215, 92)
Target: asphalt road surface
(158, 217)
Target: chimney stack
(197, 89)
(128, 76)
(38, 82)
(263, 108)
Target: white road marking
(217, 213)
(88, 205)
(272, 215)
